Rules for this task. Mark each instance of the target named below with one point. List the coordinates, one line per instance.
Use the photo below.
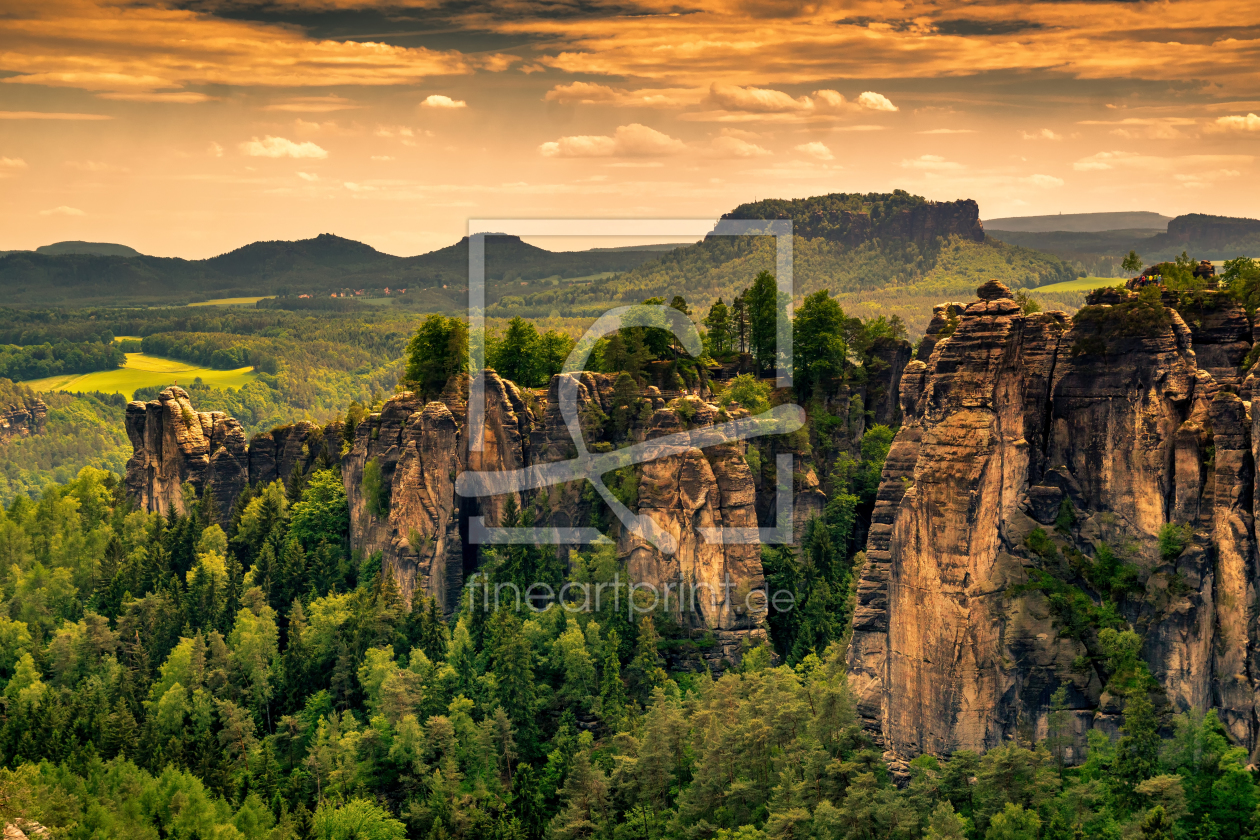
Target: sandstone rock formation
(424, 540)
(173, 444)
(23, 419)
(1099, 431)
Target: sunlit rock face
(174, 444)
(1099, 431)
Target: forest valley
(166, 677)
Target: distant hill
(903, 250)
(1081, 222)
(1100, 253)
(105, 249)
(309, 266)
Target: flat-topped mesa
(1029, 442)
(173, 445)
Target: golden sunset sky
(189, 129)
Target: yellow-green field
(240, 301)
(143, 371)
(1082, 284)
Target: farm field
(143, 371)
(1083, 284)
(236, 301)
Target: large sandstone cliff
(1098, 431)
(173, 445)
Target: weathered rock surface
(173, 444)
(1101, 431)
(23, 420)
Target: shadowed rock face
(19, 421)
(1015, 422)
(173, 444)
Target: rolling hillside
(309, 266)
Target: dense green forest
(35, 361)
(162, 676)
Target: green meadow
(1083, 284)
(143, 371)
(236, 301)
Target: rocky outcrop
(23, 419)
(1101, 431)
(174, 444)
(911, 220)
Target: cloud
(180, 97)
(757, 100)
(948, 131)
(313, 104)
(50, 115)
(1044, 181)
(734, 147)
(278, 147)
(589, 93)
(1236, 123)
(308, 176)
(1103, 161)
(1044, 134)
(63, 210)
(138, 48)
(875, 101)
(930, 163)
(817, 150)
(382, 157)
(633, 140)
(214, 150)
(437, 100)
(9, 165)
(733, 102)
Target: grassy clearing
(236, 301)
(1083, 284)
(143, 371)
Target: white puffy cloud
(633, 140)
(730, 100)
(308, 176)
(1236, 123)
(875, 101)
(9, 164)
(735, 147)
(1044, 134)
(757, 100)
(930, 163)
(816, 149)
(437, 100)
(278, 147)
(63, 210)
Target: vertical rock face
(1102, 431)
(23, 419)
(173, 444)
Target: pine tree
(612, 691)
(645, 672)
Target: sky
(192, 128)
